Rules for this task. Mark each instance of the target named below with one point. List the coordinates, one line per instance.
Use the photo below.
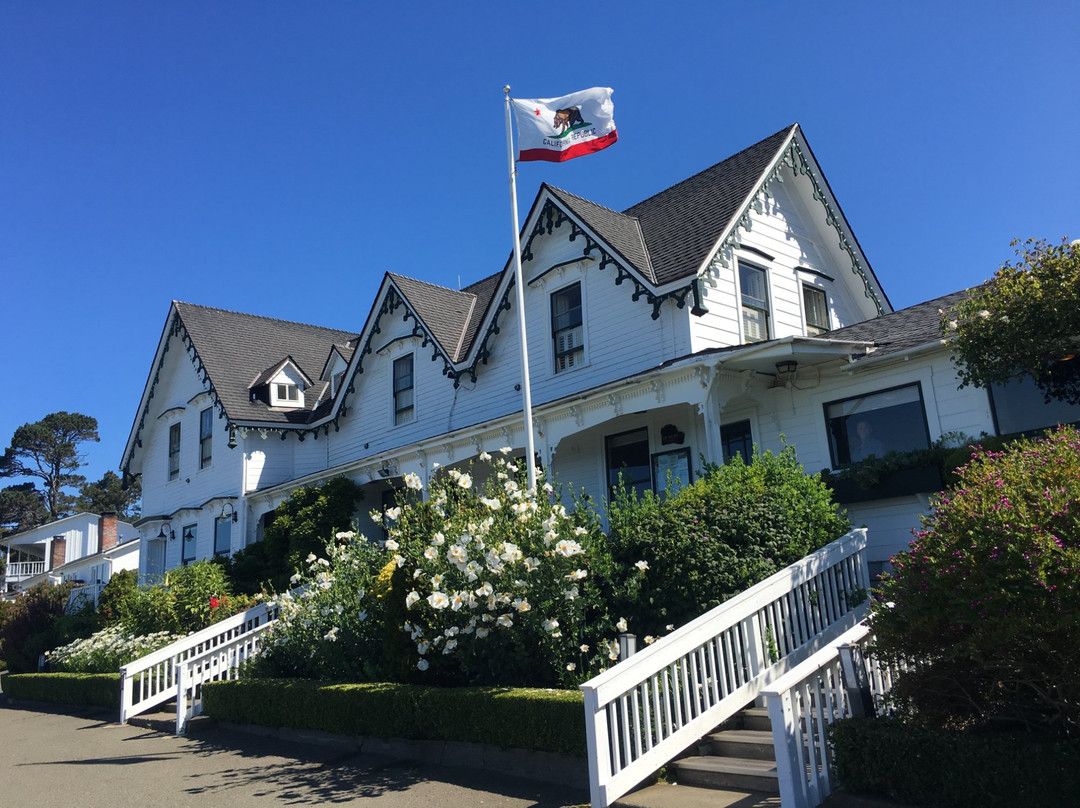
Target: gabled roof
(681, 225)
(275, 369)
(236, 348)
(447, 313)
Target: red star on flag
(537, 113)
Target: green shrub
(115, 602)
(94, 689)
(685, 553)
(301, 527)
(544, 720)
(954, 769)
(187, 599)
(28, 627)
(987, 600)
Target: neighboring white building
(83, 547)
(733, 308)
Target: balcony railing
(20, 570)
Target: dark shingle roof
(907, 328)
(236, 348)
(620, 231)
(446, 312)
(682, 224)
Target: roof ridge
(788, 129)
(179, 303)
(432, 285)
(557, 189)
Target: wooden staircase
(738, 756)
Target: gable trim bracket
(793, 159)
(552, 217)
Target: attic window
(286, 395)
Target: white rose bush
(501, 584)
(329, 624)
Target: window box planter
(921, 479)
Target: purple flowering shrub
(986, 602)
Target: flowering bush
(501, 584)
(987, 600)
(181, 602)
(330, 624)
(106, 651)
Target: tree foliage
(111, 494)
(987, 601)
(301, 526)
(48, 450)
(21, 508)
(1025, 321)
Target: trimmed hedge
(92, 689)
(511, 718)
(954, 769)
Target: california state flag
(558, 129)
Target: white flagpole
(526, 394)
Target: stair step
(743, 743)
(727, 773)
(756, 718)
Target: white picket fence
(643, 712)
(840, 681)
(179, 670)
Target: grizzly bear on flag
(567, 118)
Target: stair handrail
(839, 681)
(153, 678)
(646, 710)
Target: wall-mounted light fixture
(188, 535)
(384, 472)
(162, 534)
(785, 371)
(225, 514)
(232, 437)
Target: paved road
(85, 758)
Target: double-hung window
(174, 451)
(816, 308)
(206, 437)
(567, 328)
(754, 292)
(286, 394)
(403, 389)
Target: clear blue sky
(278, 157)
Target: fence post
(856, 682)
(599, 748)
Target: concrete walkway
(91, 760)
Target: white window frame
(293, 395)
(206, 438)
(765, 309)
(403, 414)
(582, 350)
(815, 329)
(174, 451)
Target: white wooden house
(734, 308)
(83, 547)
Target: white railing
(17, 570)
(837, 682)
(175, 671)
(83, 595)
(644, 711)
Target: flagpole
(526, 394)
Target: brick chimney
(107, 531)
(59, 552)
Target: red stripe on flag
(577, 150)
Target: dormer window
(286, 394)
